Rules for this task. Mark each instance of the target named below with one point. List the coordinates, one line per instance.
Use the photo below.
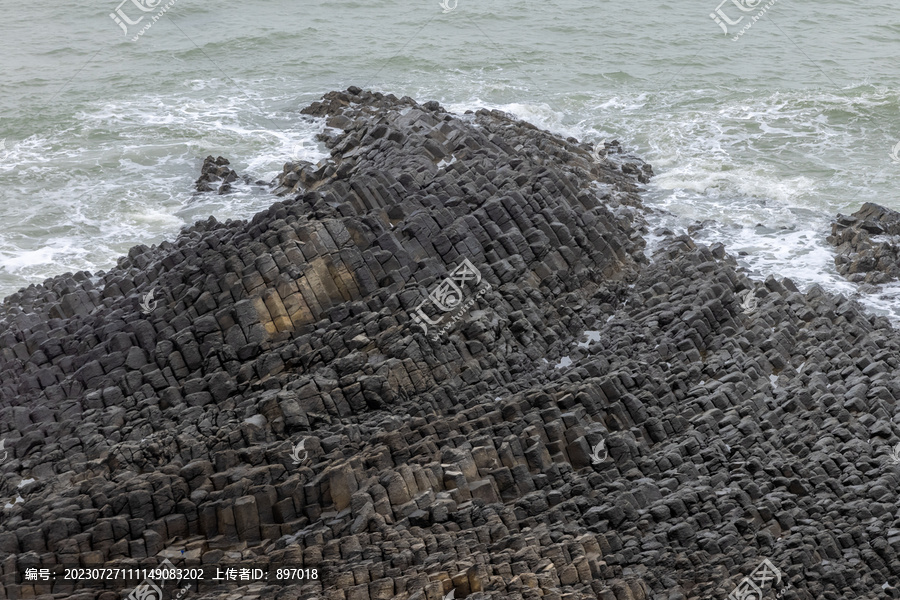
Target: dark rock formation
(213, 171)
(717, 422)
(868, 248)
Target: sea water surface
(758, 140)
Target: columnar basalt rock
(213, 171)
(279, 405)
(867, 244)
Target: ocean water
(759, 139)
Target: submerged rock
(305, 389)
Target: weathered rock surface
(734, 430)
(213, 171)
(868, 246)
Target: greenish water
(767, 136)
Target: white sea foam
(125, 177)
(565, 361)
(736, 168)
(122, 173)
(592, 336)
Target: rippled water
(764, 138)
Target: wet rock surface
(217, 176)
(867, 244)
(714, 421)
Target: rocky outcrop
(867, 244)
(213, 171)
(305, 389)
